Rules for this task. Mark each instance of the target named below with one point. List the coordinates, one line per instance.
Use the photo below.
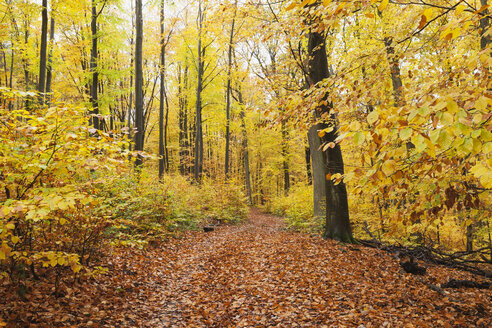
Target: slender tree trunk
(130, 102)
(93, 68)
(325, 164)
(43, 51)
(285, 158)
(162, 94)
(228, 93)
(242, 115)
(49, 74)
(199, 135)
(139, 105)
(307, 152)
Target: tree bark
(198, 165)
(43, 51)
(139, 105)
(285, 158)
(247, 174)
(330, 162)
(49, 74)
(162, 94)
(228, 92)
(93, 68)
(307, 152)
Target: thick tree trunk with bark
(139, 105)
(325, 164)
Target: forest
(245, 163)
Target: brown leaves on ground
(255, 275)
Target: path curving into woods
(260, 275)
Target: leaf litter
(253, 275)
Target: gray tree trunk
(43, 51)
(49, 74)
(199, 134)
(330, 162)
(228, 93)
(139, 105)
(162, 94)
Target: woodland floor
(253, 275)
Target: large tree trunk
(325, 164)
(139, 105)
(162, 94)
(43, 51)
(198, 165)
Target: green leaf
(406, 133)
(359, 138)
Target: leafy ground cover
(254, 275)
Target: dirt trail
(258, 275)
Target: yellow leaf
(481, 103)
(2, 254)
(460, 9)
(321, 133)
(328, 176)
(61, 260)
(428, 13)
(383, 5)
(292, 5)
(388, 167)
(406, 133)
(15, 239)
(372, 117)
(452, 106)
(327, 2)
(10, 226)
(358, 138)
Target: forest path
(259, 275)
(254, 275)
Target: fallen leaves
(255, 275)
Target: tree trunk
(139, 105)
(330, 162)
(49, 74)
(198, 165)
(285, 158)
(247, 173)
(307, 152)
(93, 68)
(43, 51)
(162, 92)
(228, 93)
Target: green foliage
(297, 209)
(50, 164)
(144, 208)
